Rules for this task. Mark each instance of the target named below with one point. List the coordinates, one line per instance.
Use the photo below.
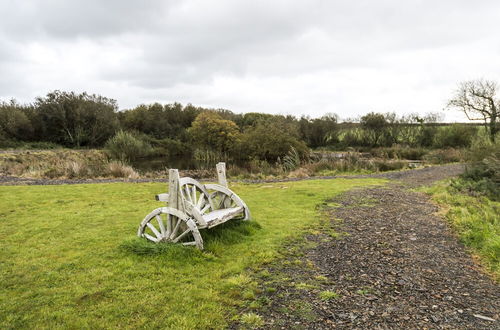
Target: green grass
(328, 295)
(476, 220)
(69, 258)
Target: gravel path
(396, 265)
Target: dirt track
(396, 265)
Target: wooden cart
(192, 206)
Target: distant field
(63, 261)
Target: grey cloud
(161, 46)
(70, 19)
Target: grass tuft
(142, 247)
(252, 320)
(328, 295)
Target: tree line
(93, 121)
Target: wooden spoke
(176, 228)
(181, 235)
(205, 209)
(187, 193)
(154, 230)
(222, 201)
(189, 243)
(169, 225)
(162, 226)
(193, 188)
(201, 201)
(151, 238)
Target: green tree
(374, 125)
(268, 141)
(14, 123)
(319, 132)
(76, 119)
(210, 131)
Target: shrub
(76, 169)
(384, 166)
(351, 137)
(455, 136)
(121, 170)
(125, 147)
(443, 156)
(398, 152)
(482, 176)
(299, 173)
(374, 126)
(267, 141)
(291, 160)
(167, 147)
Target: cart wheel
(166, 224)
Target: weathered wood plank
(162, 197)
(221, 174)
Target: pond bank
(431, 171)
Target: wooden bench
(192, 206)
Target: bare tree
(478, 100)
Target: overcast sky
(288, 57)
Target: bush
(291, 160)
(482, 176)
(267, 141)
(384, 166)
(168, 147)
(455, 136)
(121, 170)
(399, 153)
(125, 147)
(443, 156)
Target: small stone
(435, 319)
(434, 306)
(460, 311)
(482, 317)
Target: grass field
(69, 258)
(476, 220)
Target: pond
(181, 162)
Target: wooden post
(221, 174)
(173, 189)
